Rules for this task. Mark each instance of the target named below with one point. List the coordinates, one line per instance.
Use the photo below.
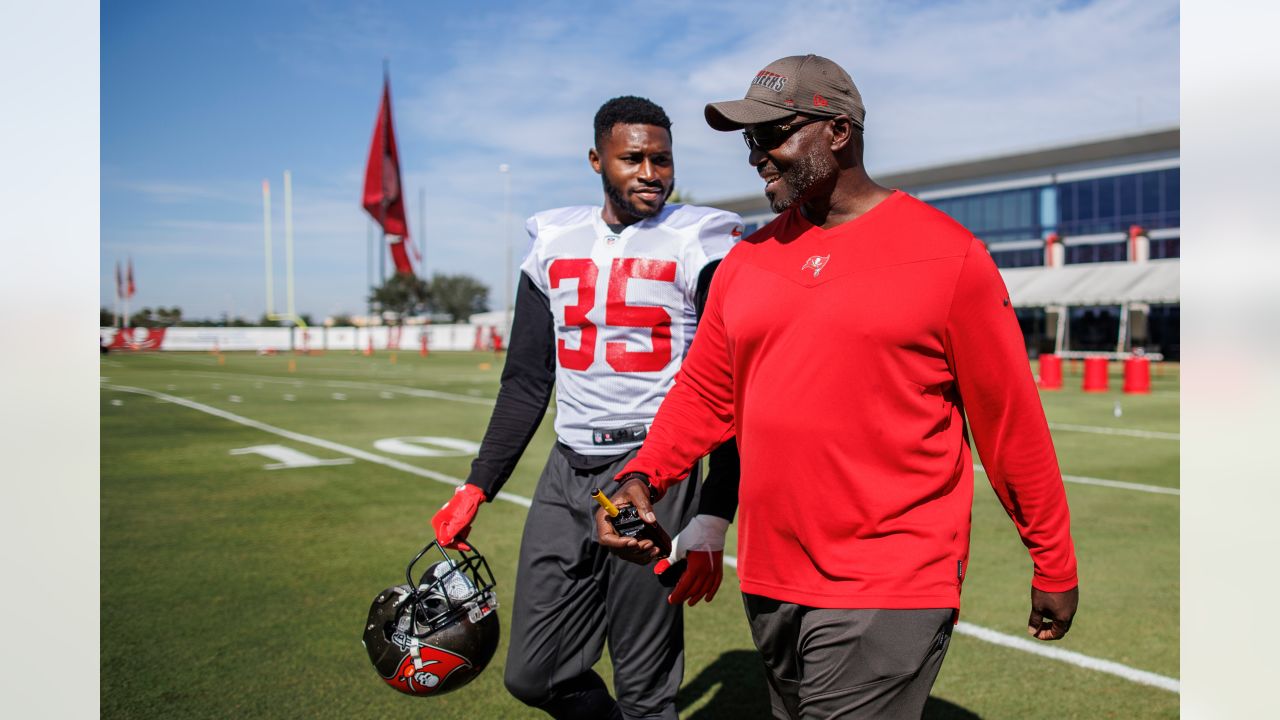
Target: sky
(201, 102)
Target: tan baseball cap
(806, 84)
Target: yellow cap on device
(604, 502)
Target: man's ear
(841, 134)
(593, 157)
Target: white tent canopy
(1118, 283)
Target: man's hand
(452, 522)
(1051, 613)
(634, 491)
(701, 545)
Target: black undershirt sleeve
(719, 495)
(528, 378)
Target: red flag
(382, 197)
(119, 282)
(401, 258)
(129, 292)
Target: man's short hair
(629, 110)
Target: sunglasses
(768, 137)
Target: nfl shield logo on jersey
(817, 262)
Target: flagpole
(368, 272)
(127, 294)
(422, 228)
(118, 323)
(382, 206)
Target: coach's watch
(654, 494)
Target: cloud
(519, 84)
(161, 191)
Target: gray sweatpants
(824, 663)
(571, 595)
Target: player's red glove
(453, 521)
(701, 545)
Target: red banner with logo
(138, 338)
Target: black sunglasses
(768, 137)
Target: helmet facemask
(435, 635)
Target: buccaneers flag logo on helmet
(435, 635)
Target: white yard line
(1128, 432)
(1116, 484)
(1052, 652)
(402, 389)
(1010, 641)
(309, 440)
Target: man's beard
(800, 177)
(626, 205)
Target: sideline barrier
(453, 337)
(1095, 374)
(1050, 372)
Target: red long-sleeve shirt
(846, 360)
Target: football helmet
(435, 635)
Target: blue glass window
(1097, 252)
(997, 216)
(1166, 248)
(1026, 257)
(1106, 198)
(1112, 204)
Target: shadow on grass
(736, 684)
(738, 690)
(939, 709)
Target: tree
(160, 317)
(461, 296)
(403, 294)
(169, 317)
(106, 318)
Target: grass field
(231, 589)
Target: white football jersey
(623, 305)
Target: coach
(845, 344)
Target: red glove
(701, 544)
(453, 521)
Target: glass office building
(1085, 195)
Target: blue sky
(202, 101)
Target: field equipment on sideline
(438, 634)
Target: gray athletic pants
(571, 595)
(824, 663)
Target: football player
(606, 308)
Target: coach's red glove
(701, 545)
(453, 521)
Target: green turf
(230, 590)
